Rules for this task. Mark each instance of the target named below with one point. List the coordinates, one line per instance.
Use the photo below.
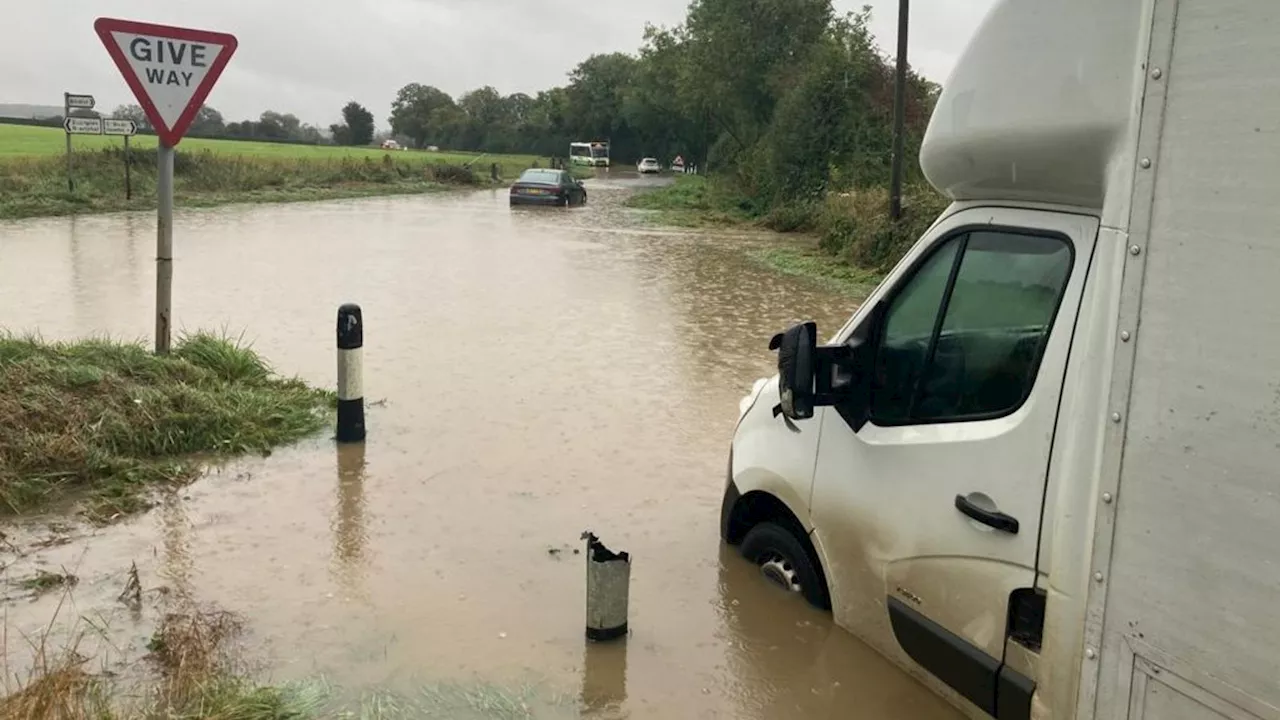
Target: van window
(908, 329)
(971, 350)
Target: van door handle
(994, 518)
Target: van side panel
(1191, 627)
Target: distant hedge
(56, 122)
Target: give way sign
(170, 69)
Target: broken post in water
(608, 590)
(350, 374)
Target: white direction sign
(82, 126)
(119, 127)
(170, 70)
(81, 102)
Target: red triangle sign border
(169, 136)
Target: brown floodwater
(543, 372)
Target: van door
(929, 512)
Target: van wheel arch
(758, 507)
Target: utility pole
(899, 113)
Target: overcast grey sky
(310, 57)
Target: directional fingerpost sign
(170, 69)
(119, 127)
(83, 126)
(82, 102)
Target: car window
(988, 329)
(541, 176)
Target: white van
(1040, 466)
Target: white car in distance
(649, 165)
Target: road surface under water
(544, 373)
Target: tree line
(787, 98)
(356, 128)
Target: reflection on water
(604, 678)
(176, 564)
(544, 373)
(349, 535)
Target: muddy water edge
(543, 373)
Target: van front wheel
(784, 561)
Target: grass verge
(819, 266)
(692, 201)
(32, 186)
(857, 242)
(112, 420)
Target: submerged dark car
(539, 186)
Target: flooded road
(544, 372)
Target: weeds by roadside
(857, 242)
(855, 228)
(44, 581)
(191, 672)
(113, 420)
(37, 186)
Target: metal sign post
(171, 71)
(80, 102)
(66, 115)
(164, 247)
(128, 181)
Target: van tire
(783, 558)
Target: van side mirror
(796, 346)
(812, 376)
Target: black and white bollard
(350, 374)
(608, 590)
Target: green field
(22, 141)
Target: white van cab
(1040, 466)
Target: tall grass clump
(855, 227)
(191, 672)
(112, 419)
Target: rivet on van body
(1090, 653)
(1115, 417)
(1145, 163)
(1124, 335)
(1097, 576)
(1156, 73)
(1106, 498)
(1135, 250)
